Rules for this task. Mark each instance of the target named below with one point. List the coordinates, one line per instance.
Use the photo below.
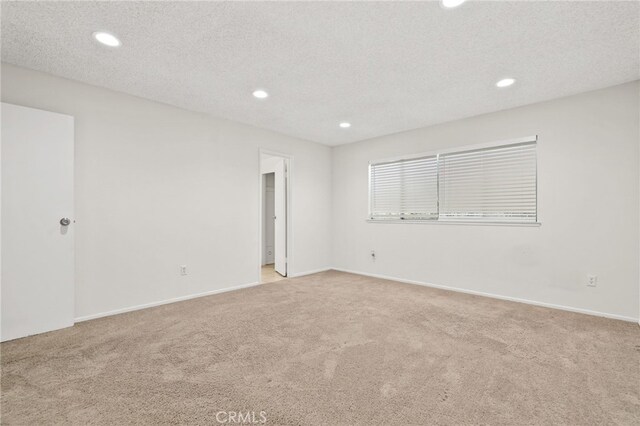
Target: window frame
(456, 221)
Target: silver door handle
(65, 221)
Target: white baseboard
(302, 274)
(187, 297)
(384, 277)
(495, 296)
(163, 302)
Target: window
(495, 183)
(405, 189)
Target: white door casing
(37, 292)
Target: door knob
(65, 221)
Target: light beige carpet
(329, 349)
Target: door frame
(289, 200)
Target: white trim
(384, 277)
(164, 302)
(315, 271)
(289, 200)
(187, 297)
(494, 296)
(456, 222)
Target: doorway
(274, 216)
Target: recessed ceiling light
(449, 4)
(505, 82)
(106, 39)
(260, 94)
(345, 125)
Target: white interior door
(37, 248)
(280, 223)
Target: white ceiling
(386, 67)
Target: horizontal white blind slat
(493, 184)
(497, 184)
(406, 189)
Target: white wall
(157, 187)
(268, 163)
(150, 195)
(588, 205)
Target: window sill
(456, 222)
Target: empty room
(320, 212)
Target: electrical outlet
(373, 255)
(592, 280)
(183, 269)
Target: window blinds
(496, 183)
(405, 189)
(492, 184)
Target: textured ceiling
(385, 66)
